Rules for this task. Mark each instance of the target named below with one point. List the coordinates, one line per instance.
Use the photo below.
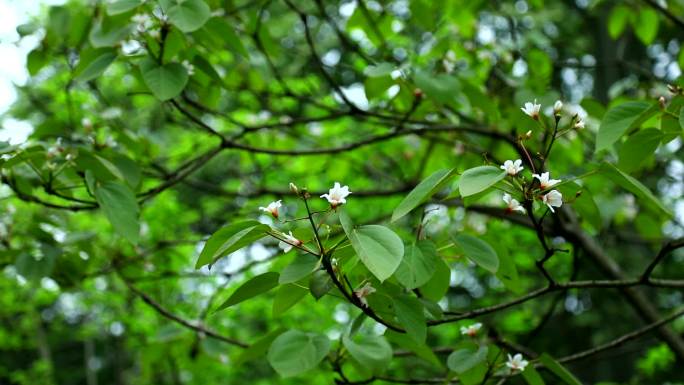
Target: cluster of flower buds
(189, 67)
(532, 109)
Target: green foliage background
(152, 134)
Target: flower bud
(294, 188)
(661, 101)
(418, 93)
(87, 124)
(557, 107)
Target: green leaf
(681, 115)
(103, 170)
(532, 377)
(442, 87)
(35, 61)
(298, 269)
(620, 119)
(635, 187)
(189, 15)
(252, 288)
(646, 25)
(33, 268)
(670, 127)
(584, 204)
(174, 44)
(438, 285)
(379, 70)
(462, 360)
(379, 248)
(230, 239)
(418, 264)
(109, 31)
(295, 352)
(27, 28)
(120, 6)
(218, 32)
(556, 368)
(371, 352)
(356, 324)
(478, 251)
(638, 148)
(507, 271)
(475, 375)
(286, 297)
(165, 81)
(478, 179)
(129, 170)
(432, 309)
(377, 87)
(93, 63)
(617, 21)
(121, 208)
(422, 350)
(258, 348)
(320, 284)
(423, 191)
(409, 312)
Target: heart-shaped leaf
(165, 81)
(295, 352)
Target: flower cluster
(336, 196)
(532, 109)
(552, 198)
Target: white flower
(142, 21)
(579, 124)
(471, 330)
(544, 181)
(553, 199)
(289, 242)
(272, 208)
(130, 47)
(140, 18)
(513, 205)
(516, 362)
(293, 188)
(532, 109)
(189, 67)
(512, 167)
(557, 107)
(337, 194)
(364, 292)
(87, 123)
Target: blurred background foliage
(199, 115)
